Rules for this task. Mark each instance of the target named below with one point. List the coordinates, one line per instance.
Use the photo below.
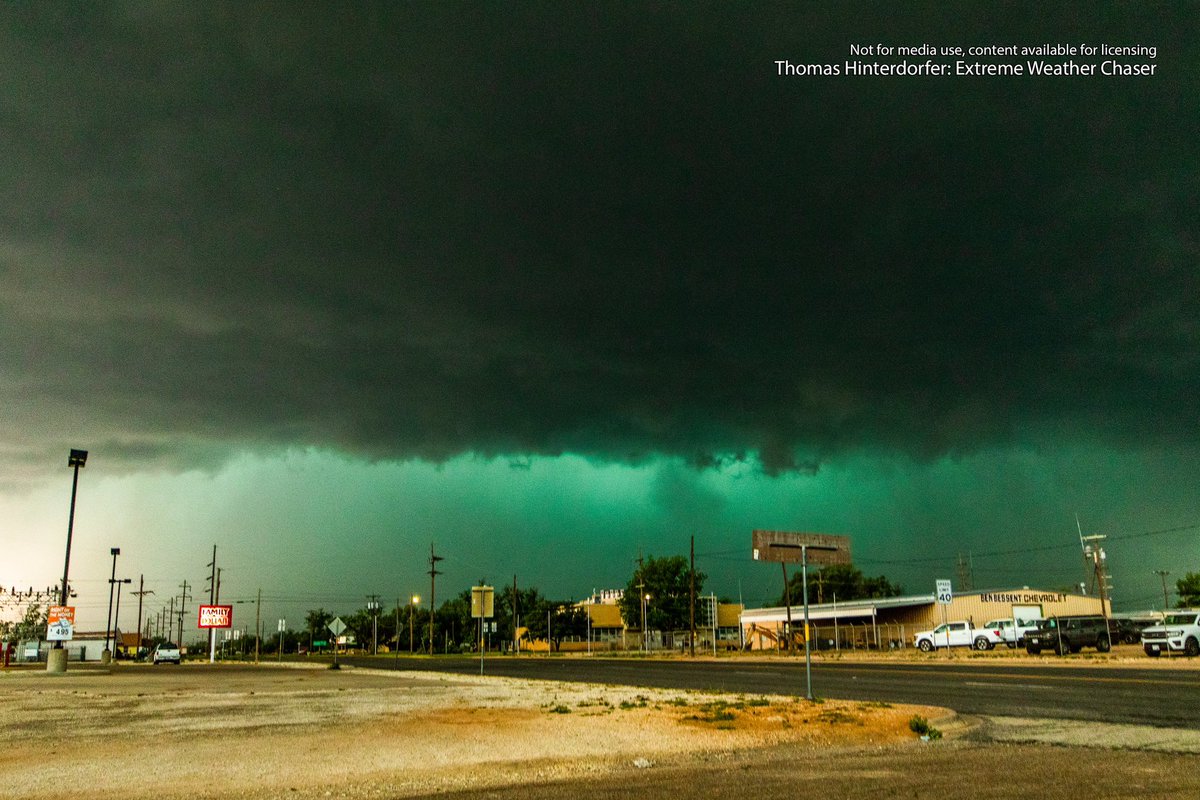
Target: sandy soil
(201, 731)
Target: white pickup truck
(957, 634)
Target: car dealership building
(891, 622)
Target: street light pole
(116, 551)
(117, 613)
(412, 603)
(645, 633)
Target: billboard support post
(783, 546)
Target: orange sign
(60, 624)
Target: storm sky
(551, 285)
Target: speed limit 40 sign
(944, 595)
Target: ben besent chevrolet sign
(1023, 597)
(215, 617)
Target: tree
(529, 611)
(1188, 588)
(567, 621)
(365, 624)
(32, 624)
(668, 582)
(316, 622)
(841, 581)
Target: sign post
(784, 547)
(213, 617)
(945, 596)
(336, 627)
(483, 606)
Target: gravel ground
(268, 732)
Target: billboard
(483, 602)
(215, 617)
(60, 624)
(786, 546)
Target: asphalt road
(1165, 698)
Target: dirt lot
(267, 732)
(201, 731)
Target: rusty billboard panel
(787, 547)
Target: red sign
(215, 617)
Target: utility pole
(257, 623)
(171, 622)
(1095, 554)
(516, 618)
(1162, 573)
(433, 573)
(183, 598)
(212, 587)
(966, 571)
(692, 598)
(141, 592)
(373, 607)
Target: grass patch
(718, 712)
(560, 709)
(873, 704)
(920, 726)
(835, 717)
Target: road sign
(215, 617)
(337, 626)
(944, 595)
(483, 602)
(822, 548)
(60, 624)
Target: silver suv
(1178, 633)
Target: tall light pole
(645, 633)
(57, 660)
(116, 551)
(412, 603)
(117, 613)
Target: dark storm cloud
(422, 230)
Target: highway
(1160, 697)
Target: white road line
(1008, 685)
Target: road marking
(1171, 680)
(1007, 685)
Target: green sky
(551, 285)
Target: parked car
(1069, 635)
(1010, 634)
(168, 652)
(1178, 632)
(1128, 630)
(957, 634)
